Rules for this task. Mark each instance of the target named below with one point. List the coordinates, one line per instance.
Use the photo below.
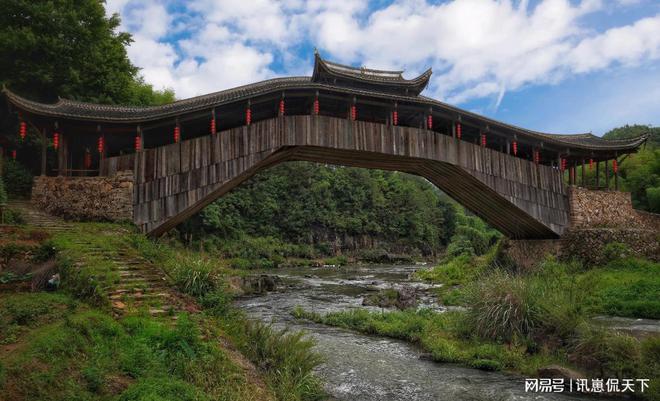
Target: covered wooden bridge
(186, 154)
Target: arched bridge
(173, 182)
(188, 153)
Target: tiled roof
(68, 109)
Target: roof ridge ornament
(385, 81)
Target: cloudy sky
(551, 65)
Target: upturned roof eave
(243, 93)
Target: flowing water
(360, 367)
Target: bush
(195, 276)
(616, 251)
(503, 307)
(287, 359)
(17, 179)
(610, 354)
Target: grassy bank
(522, 321)
(65, 345)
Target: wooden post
(62, 155)
(616, 175)
(607, 174)
(583, 176)
(453, 129)
(44, 149)
(597, 174)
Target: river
(360, 367)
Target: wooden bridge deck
(173, 182)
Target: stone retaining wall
(607, 209)
(86, 198)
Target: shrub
(287, 359)
(616, 251)
(610, 354)
(195, 276)
(503, 307)
(18, 180)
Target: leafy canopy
(69, 48)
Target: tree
(70, 49)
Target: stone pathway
(141, 286)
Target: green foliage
(17, 179)
(86, 354)
(287, 359)
(162, 389)
(616, 251)
(611, 354)
(633, 131)
(195, 276)
(3, 193)
(625, 287)
(80, 53)
(442, 335)
(503, 307)
(323, 207)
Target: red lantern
(87, 160)
(177, 133)
(483, 140)
(429, 121)
(22, 130)
(56, 140)
(591, 164)
(458, 130)
(138, 143)
(13, 154)
(213, 130)
(248, 116)
(317, 108)
(282, 107)
(395, 117)
(615, 166)
(353, 112)
(101, 144)
(514, 145)
(563, 164)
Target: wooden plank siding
(516, 196)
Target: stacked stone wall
(607, 209)
(597, 218)
(86, 198)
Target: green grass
(625, 287)
(84, 254)
(286, 358)
(443, 335)
(85, 354)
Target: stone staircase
(37, 218)
(141, 286)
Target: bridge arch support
(171, 183)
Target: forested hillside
(640, 172)
(334, 209)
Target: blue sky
(551, 65)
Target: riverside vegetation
(523, 321)
(66, 345)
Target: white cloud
(478, 48)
